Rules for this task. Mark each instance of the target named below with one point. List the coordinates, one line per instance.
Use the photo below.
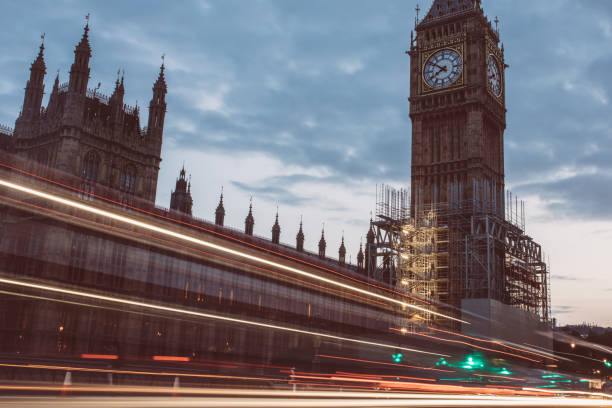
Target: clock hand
(441, 67)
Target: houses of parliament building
(91, 268)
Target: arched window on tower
(127, 182)
(89, 173)
(91, 163)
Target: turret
(342, 252)
(116, 99)
(249, 221)
(157, 111)
(220, 211)
(300, 239)
(276, 230)
(369, 257)
(322, 244)
(35, 88)
(360, 258)
(181, 199)
(79, 72)
(54, 92)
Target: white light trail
(217, 247)
(205, 315)
(588, 394)
(334, 401)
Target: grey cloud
(564, 278)
(563, 309)
(274, 194)
(282, 64)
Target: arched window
(91, 163)
(128, 179)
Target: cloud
(274, 194)
(350, 66)
(556, 310)
(564, 278)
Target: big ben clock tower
(457, 107)
(458, 113)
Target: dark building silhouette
(249, 221)
(180, 199)
(299, 244)
(370, 250)
(276, 230)
(322, 245)
(220, 211)
(342, 252)
(360, 258)
(88, 134)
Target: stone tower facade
(457, 108)
(90, 135)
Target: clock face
(443, 69)
(494, 74)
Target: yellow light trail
(205, 315)
(217, 247)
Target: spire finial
(496, 21)
(163, 65)
(42, 37)
(87, 18)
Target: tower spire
(276, 230)
(249, 222)
(35, 88)
(360, 256)
(181, 199)
(442, 9)
(157, 108)
(342, 252)
(79, 72)
(300, 238)
(322, 243)
(220, 211)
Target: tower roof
(322, 243)
(442, 9)
(161, 79)
(249, 217)
(276, 226)
(360, 253)
(83, 46)
(220, 209)
(39, 62)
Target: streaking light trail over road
(202, 242)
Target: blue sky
(303, 104)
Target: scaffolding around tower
(449, 252)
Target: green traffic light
(608, 364)
(397, 357)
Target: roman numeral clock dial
(494, 74)
(443, 69)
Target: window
(128, 179)
(91, 163)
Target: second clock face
(443, 69)
(494, 75)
